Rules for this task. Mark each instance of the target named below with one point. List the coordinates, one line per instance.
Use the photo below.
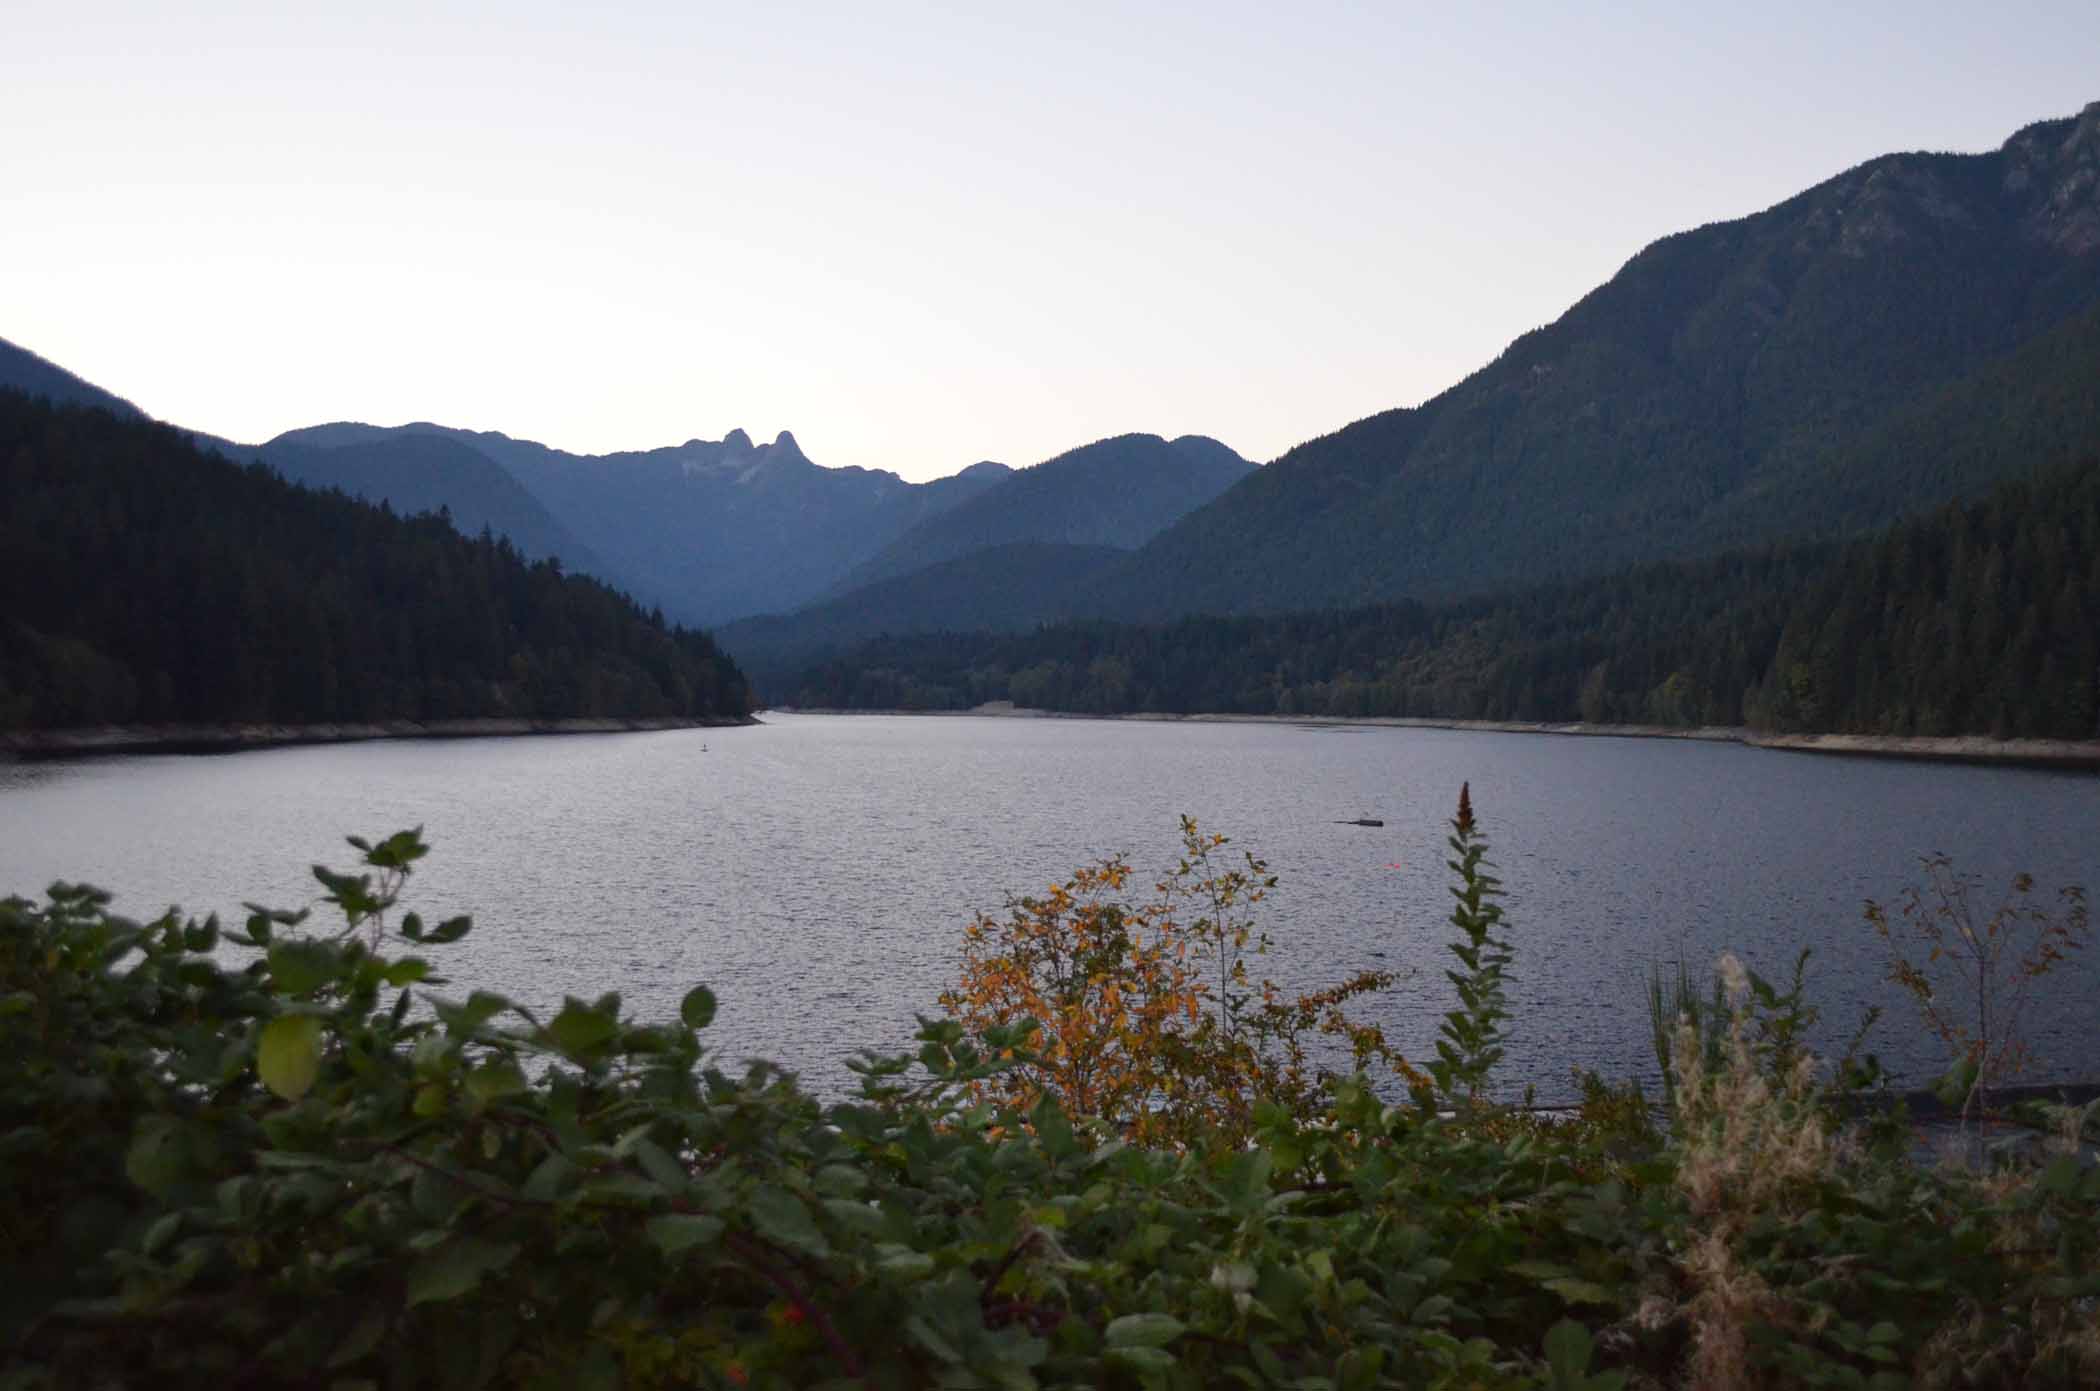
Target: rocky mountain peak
(2054, 168)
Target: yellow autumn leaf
(288, 1055)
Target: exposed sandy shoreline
(2070, 754)
(209, 738)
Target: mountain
(706, 530)
(1118, 492)
(425, 473)
(1976, 618)
(1892, 338)
(710, 530)
(412, 475)
(997, 588)
(22, 370)
(1010, 557)
(151, 581)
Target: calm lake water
(817, 871)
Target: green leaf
(497, 1079)
(581, 1030)
(901, 1261)
(481, 1006)
(288, 1055)
(456, 1268)
(1145, 1361)
(856, 1216)
(1144, 1330)
(1568, 1352)
(450, 930)
(930, 1339)
(677, 1233)
(351, 892)
(1359, 1368)
(1052, 1130)
(399, 849)
(659, 1165)
(299, 967)
(161, 1232)
(407, 971)
(623, 1188)
(841, 1181)
(1541, 1271)
(697, 1009)
(779, 1216)
(1580, 1291)
(547, 1178)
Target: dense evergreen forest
(1976, 619)
(150, 582)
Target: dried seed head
(1735, 977)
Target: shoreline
(235, 737)
(2062, 755)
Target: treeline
(1976, 619)
(150, 582)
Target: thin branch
(756, 1254)
(1006, 1263)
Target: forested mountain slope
(1117, 492)
(709, 529)
(1900, 334)
(997, 588)
(22, 370)
(149, 581)
(1980, 618)
(426, 473)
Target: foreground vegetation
(149, 582)
(289, 1153)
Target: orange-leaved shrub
(1147, 1017)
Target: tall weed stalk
(1470, 1042)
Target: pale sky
(917, 236)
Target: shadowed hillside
(1912, 330)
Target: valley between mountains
(1825, 468)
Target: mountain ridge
(1118, 492)
(1717, 364)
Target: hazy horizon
(915, 240)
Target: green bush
(282, 1155)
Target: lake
(817, 870)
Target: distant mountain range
(711, 530)
(1905, 334)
